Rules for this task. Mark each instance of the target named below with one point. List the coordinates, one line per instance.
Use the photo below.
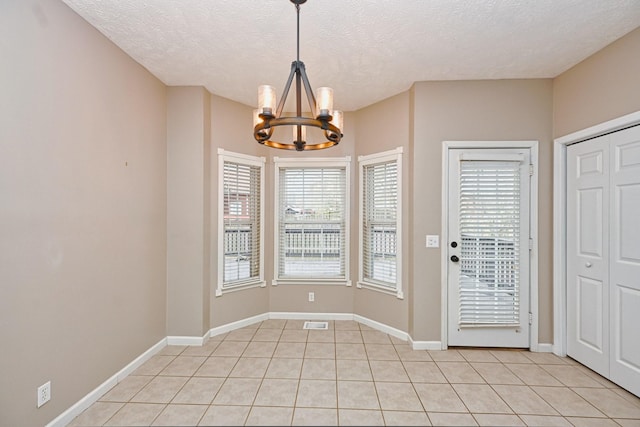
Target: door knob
(454, 258)
(588, 264)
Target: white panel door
(603, 255)
(588, 254)
(488, 248)
(625, 258)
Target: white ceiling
(366, 50)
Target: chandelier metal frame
(264, 129)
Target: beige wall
(604, 86)
(420, 120)
(374, 138)
(92, 151)
(231, 129)
(193, 143)
(473, 110)
(231, 125)
(432, 112)
(82, 209)
(295, 297)
(188, 206)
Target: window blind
(241, 223)
(490, 243)
(312, 222)
(379, 223)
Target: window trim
(336, 162)
(247, 160)
(363, 161)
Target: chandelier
(324, 117)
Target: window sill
(379, 288)
(240, 287)
(334, 282)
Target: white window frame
(327, 162)
(246, 160)
(364, 161)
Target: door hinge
(530, 170)
(530, 244)
(531, 318)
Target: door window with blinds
(380, 218)
(312, 219)
(489, 243)
(240, 218)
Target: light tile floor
(276, 373)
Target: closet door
(603, 255)
(625, 258)
(588, 254)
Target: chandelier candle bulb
(257, 120)
(324, 101)
(256, 117)
(337, 119)
(267, 99)
(303, 135)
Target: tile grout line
(502, 363)
(175, 356)
(304, 352)
(335, 363)
(466, 360)
(181, 388)
(580, 397)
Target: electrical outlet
(312, 296)
(433, 241)
(44, 393)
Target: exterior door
(488, 247)
(588, 254)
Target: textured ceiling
(365, 50)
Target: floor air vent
(316, 325)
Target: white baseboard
(544, 347)
(425, 345)
(382, 327)
(559, 350)
(309, 316)
(67, 416)
(197, 341)
(237, 325)
(341, 316)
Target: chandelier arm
(287, 87)
(262, 133)
(332, 135)
(298, 90)
(307, 87)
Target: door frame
(560, 219)
(533, 220)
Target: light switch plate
(433, 241)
